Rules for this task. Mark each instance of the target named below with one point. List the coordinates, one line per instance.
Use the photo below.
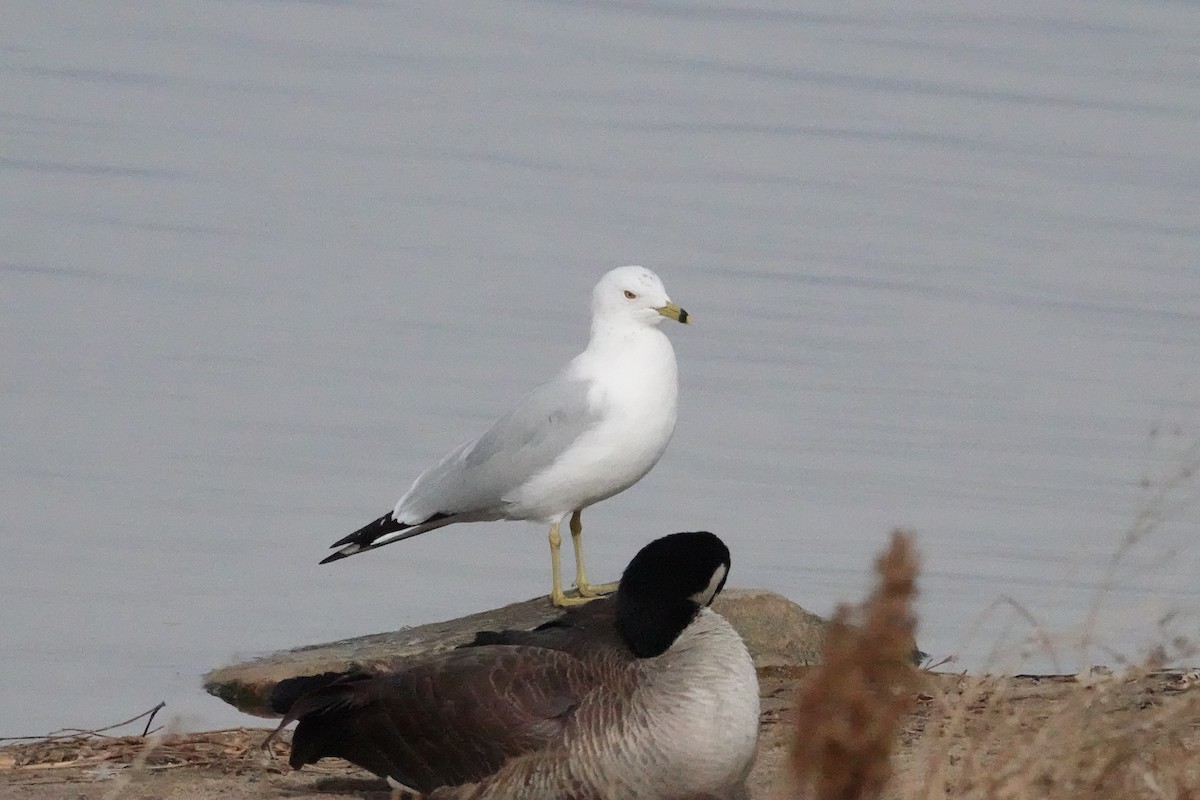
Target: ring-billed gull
(581, 437)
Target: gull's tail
(385, 530)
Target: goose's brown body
(592, 705)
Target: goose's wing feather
(587, 632)
(451, 718)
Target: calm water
(261, 262)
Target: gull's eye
(630, 295)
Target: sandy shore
(998, 712)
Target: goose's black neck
(650, 629)
(664, 588)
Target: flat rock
(776, 631)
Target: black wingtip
(367, 532)
(364, 537)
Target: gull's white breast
(634, 391)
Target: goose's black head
(665, 586)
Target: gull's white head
(635, 294)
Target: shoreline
(230, 763)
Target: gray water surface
(262, 262)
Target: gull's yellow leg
(586, 589)
(557, 596)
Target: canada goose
(649, 694)
(583, 436)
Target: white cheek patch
(705, 596)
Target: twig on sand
(74, 733)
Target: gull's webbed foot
(593, 591)
(563, 600)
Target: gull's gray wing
(475, 479)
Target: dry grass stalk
(850, 709)
(1100, 737)
(233, 750)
